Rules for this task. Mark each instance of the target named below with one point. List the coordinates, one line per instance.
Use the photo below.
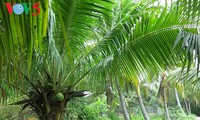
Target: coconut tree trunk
(122, 101)
(187, 106)
(109, 97)
(56, 112)
(129, 102)
(59, 111)
(161, 92)
(144, 112)
(165, 105)
(178, 100)
(109, 94)
(58, 115)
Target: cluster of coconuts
(56, 97)
(48, 88)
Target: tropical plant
(76, 44)
(49, 70)
(186, 83)
(92, 108)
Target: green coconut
(59, 97)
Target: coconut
(59, 97)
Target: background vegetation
(101, 60)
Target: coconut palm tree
(81, 41)
(49, 68)
(187, 83)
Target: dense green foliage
(101, 60)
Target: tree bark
(178, 101)
(165, 105)
(58, 115)
(187, 106)
(129, 102)
(162, 93)
(56, 112)
(123, 105)
(109, 94)
(144, 112)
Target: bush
(137, 117)
(157, 117)
(152, 117)
(82, 109)
(195, 109)
(176, 114)
(95, 110)
(113, 116)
